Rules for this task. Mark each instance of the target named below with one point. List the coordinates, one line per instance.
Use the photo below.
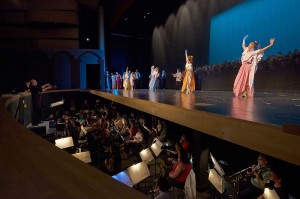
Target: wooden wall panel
(13, 5)
(54, 5)
(18, 5)
(39, 43)
(56, 43)
(52, 16)
(46, 33)
(12, 18)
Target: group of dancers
(244, 81)
(243, 85)
(130, 80)
(188, 83)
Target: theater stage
(268, 123)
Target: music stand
(216, 180)
(216, 175)
(156, 149)
(146, 155)
(217, 166)
(123, 178)
(64, 142)
(138, 172)
(83, 156)
(270, 194)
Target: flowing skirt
(188, 82)
(244, 81)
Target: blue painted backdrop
(261, 20)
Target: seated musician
(133, 143)
(257, 178)
(118, 122)
(276, 184)
(180, 171)
(164, 189)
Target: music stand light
(123, 177)
(64, 142)
(83, 156)
(270, 194)
(57, 103)
(138, 172)
(156, 147)
(216, 180)
(217, 166)
(146, 155)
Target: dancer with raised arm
(153, 83)
(189, 78)
(126, 80)
(244, 81)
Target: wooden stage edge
(266, 138)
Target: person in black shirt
(36, 115)
(276, 184)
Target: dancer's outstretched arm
(186, 55)
(244, 42)
(265, 48)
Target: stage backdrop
(261, 20)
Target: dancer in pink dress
(244, 81)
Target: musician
(164, 189)
(180, 171)
(118, 122)
(276, 184)
(257, 178)
(35, 90)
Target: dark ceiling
(137, 18)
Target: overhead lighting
(126, 19)
(148, 13)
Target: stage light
(64, 142)
(87, 39)
(83, 156)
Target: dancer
(189, 78)
(132, 82)
(153, 84)
(126, 80)
(178, 76)
(113, 81)
(108, 80)
(244, 81)
(118, 80)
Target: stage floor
(275, 108)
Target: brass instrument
(236, 180)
